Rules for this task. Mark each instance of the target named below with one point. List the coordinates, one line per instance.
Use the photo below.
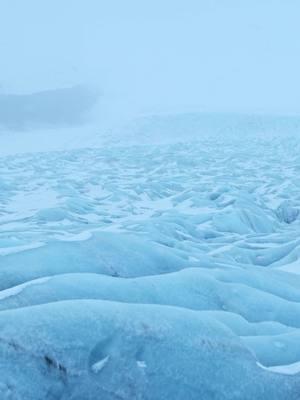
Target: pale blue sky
(153, 55)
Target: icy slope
(153, 271)
(110, 350)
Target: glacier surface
(162, 267)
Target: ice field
(160, 264)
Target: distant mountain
(60, 107)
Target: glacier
(160, 263)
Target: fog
(156, 56)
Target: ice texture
(153, 268)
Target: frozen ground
(163, 267)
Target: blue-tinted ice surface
(167, 270)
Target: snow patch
(141, 364)
(4, 294)
(290, 369)
(98, 366)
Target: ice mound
(115, 350)
(107, 253)
(198, 289)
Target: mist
(153, 57)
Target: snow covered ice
(167, 270)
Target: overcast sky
(157, 55)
